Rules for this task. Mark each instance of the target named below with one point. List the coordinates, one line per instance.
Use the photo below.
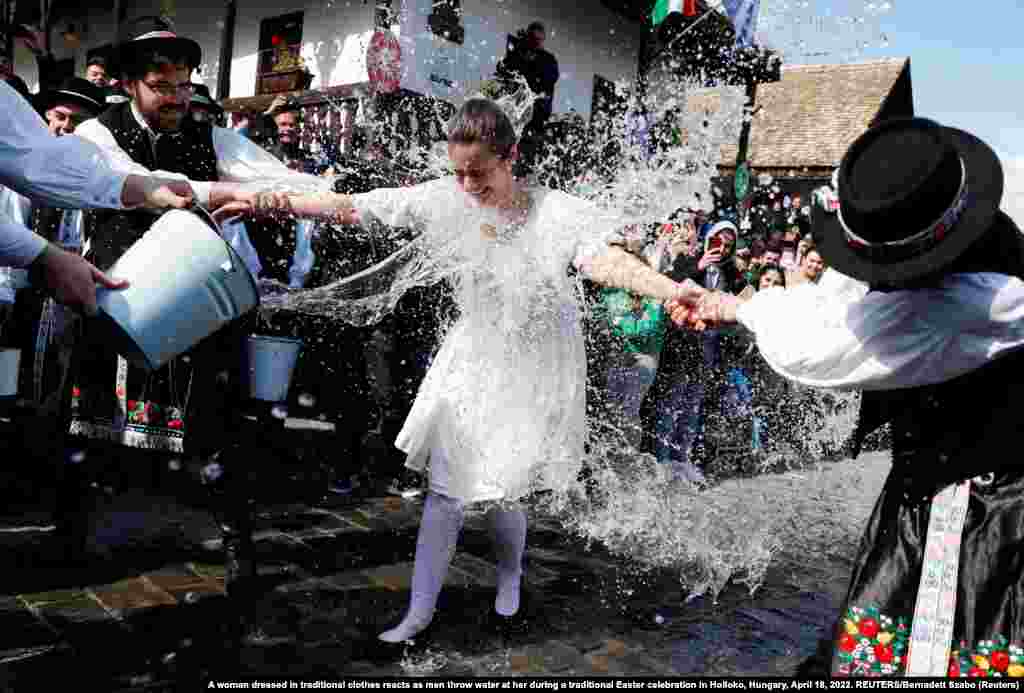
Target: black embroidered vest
(959, 429)
(189, 151)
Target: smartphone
(715, 244)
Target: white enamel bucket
(186, 282)
(269, 365)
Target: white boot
(510, 542)
(435, 546)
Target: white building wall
(586, 38)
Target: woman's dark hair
(770, 268)
(481, 121)
(98, 60)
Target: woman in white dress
(501, 412)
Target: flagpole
(690, 28)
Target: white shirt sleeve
(57, 171)
(878, 341)
(18, 245)
(15, 207)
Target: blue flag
(743, 15)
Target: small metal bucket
(269, 365)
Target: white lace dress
(501, 411)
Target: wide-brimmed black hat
(201, 96)
(76, 90)
(913, 195)
(148, 33)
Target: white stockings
(439, 533)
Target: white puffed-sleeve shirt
(838, 335)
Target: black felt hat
(149, 33)
(75, 90)
(913, 196)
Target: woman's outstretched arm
(617, 268)
(230, 200)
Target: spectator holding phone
(690, 361)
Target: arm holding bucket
(86, 176)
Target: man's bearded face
(162, 96)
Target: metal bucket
(186, 283)
(269, 365)
(10, 362)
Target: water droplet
(174, 465)
(279, 411)
(77, 457)
(659, 619)
(307, 400)
(212, 472)
(191, 597)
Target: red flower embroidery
(847, 642)
(1000, 660)
(869, 627)
(884, 653)
(976, 672)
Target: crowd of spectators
(702, 401)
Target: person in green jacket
(639, 323)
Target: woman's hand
(254, 205)
(682, 308)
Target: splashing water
(729, 531)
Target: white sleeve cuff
(19, 245)
(202, 191)
(109, 190)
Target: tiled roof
(810, 117)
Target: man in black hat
(936, 343)
(203, 108)
(153, 132)
(70, 104)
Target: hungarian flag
(663, 8)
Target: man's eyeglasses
(167, 89)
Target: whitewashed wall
(586, 38)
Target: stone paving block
(83, 610)
(21, 629)
(641, 665)
(480, 571)
(539, 575)
(353, 521)
(134, 593)
(212, 570)
(185, 588)
(353, 580)
(396, 577)
(70, 596)
(615, 648)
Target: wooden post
(744, 144)
(117, 22)
(227, 46)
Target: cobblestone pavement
(149, 612)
